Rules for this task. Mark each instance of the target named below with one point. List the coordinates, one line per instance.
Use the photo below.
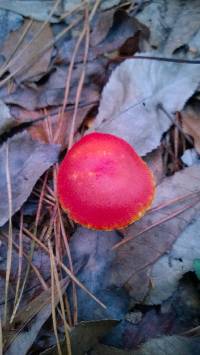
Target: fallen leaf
(167, 345)
(37, 9)
(30, 71)
(173, 25)
(190, 119)
(40, 260)
(38, 130)
(170, 268)
(170, 345)
(29, 321)
(101, 25)
(119, 29)
(134, 260)
(131, 100)
(9, 21)
(84, 336)
(27, 160)
(107, 4)
(52, 92)
(95, 249)
(122, 29)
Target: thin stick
(164, 59)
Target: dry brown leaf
(38, 131)
(40, 66)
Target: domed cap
(103, 183)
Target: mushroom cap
(103, 183)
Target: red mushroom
(103, 184)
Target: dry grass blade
(20, 255)
(53, 302)
(41, 199)
(82, 77)
(10, 232)
(174, 200)
(65, 268)
(19, 297)
(162, 220)
(36, 271)
(67, 88)
(63, 233)
(84, 33)
(33, 308)
(55, 276)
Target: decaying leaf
(169, 269)
(131, 100)
(40, 66)
(129, 264)
(135, 259)
(27, 161)
(173, 25)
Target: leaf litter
(27, 160)
(135, 101)
(145, 264)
